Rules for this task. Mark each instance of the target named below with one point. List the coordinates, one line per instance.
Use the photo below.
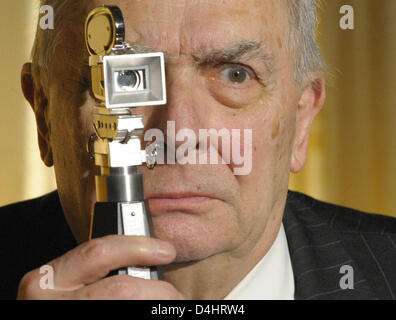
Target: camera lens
(128, 79)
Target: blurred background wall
(352, 153)
(22, 174)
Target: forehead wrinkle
(138, 48)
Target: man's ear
(39, 103)
(310, 103)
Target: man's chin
(192, 237)
(189, 251)
(187, 259)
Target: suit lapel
(317, 255)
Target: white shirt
(272, 277)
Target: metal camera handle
(115, 146)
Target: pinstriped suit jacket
(322, 237)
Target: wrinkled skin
(220, 236)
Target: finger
(30, 288)
(94, 259)
(124, 287)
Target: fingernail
(165, 250)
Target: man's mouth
(180, 201)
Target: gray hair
(303, 21)
(302, 16)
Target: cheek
(273, 132)
(72, 125)
(281, 139)
(86, 117)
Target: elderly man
(229, 64)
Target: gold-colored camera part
(104, 29)
(97, 77)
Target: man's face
(221, 212)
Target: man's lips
(190, 202)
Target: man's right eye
(235, 75)
(233, 85)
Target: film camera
(121, 79)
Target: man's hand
(79, 274)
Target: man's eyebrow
(233, 52)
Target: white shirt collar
(272, 278)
